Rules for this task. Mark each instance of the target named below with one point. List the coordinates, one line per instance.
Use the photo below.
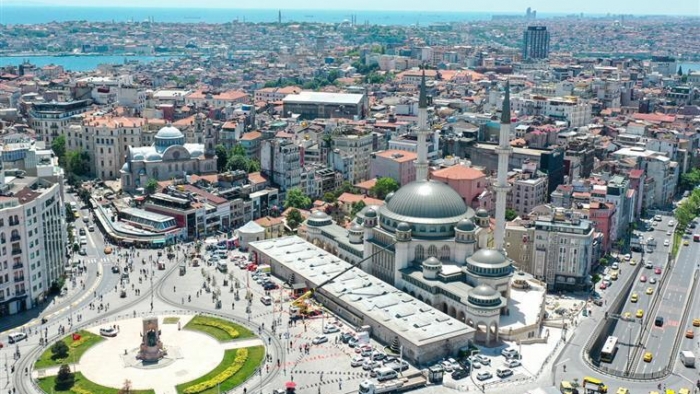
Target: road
(629, 331)
(660, 340)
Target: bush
(241, 357)
(59, 350)
(228, 329)
(65, 378)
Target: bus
(609, 349)
(594, 385)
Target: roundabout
(191, 357)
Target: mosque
(426, 242)
(169, 157)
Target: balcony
(15, 238)
(18, 279)
(17, 266)
(16, 251)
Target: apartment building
(563, 250)
(215, 99)
(569, 109)
(528, 190)
(280, 161)
(50, 120)
(266, 95)
(356, 143)
(657, 166)
(396, 164)
(32, 242)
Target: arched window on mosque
(420, 253)
(445, 253)
(432, 251)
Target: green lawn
(255, 357)
(203, 324)
(74, 353)
(677, 239)
(83, 386)
(171, 320)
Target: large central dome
(427, 199)
(431, 208)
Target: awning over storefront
(158, 242)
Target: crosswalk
(105, 260)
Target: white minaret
(501, 187)
(423, 131)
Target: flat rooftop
(395, 310)
(324, 98)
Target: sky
(640, 7)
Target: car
(91, 228)
(396, 366)
(352, 342)
(652, 280)
(627, 257)
(460, 374)
(650, 290)
(671, 223)
(16, 337)
(633, 262)
(115, 269)
(345, 337)
(657, 270)
(696, 322)
(366, 351)
(109, 332)
(378, 356)
(512, 363)
(598, 302)
(483, 359)
(648, 357)
(659, 321)
(389, 360)
(666, 242)
(603, 286)
(669, 232)
(357, 361)
(648, 265)
(657, 218)
(690, 334)
(485, 375)
(504, 372)
(642, 278)
(81, 231)
(369, 365)
(270, 286)
(447, 366)
(627, 315)
(108, 250)
(640, 313)
(654, 224)
(266, 300)
(510, 353)
(686, 243)
(83, 252)
(615, 266)
(634, 297)
(320, 339)
(330, 328)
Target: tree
(680, 71)
(253, 165)
(236, 162)
(77, 162)
(65, 378)
(59, 350)
(151, 186)
(690, 180)
(384, 186)
(294, 218)
(357, 207)
(238, 150)
(221, 157)
(329, 197)
(58, 145)
(511, 214)
(297, 199)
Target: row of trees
(688, 210)
(234, 159)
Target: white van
(16, 337)
(385, 373)
(504, 372)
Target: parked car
(483, 359)
(510, 353)
(460, 374)
(83, 252)
(485, 375)
(370, 364)
(378, 356)
(447, 366)
(398, 366)
(504, 372)
(16, 337)
(357, 361)
(109, 332)
(330, 328)
(345, 337)
(320, 339)
(512, 363)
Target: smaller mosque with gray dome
(169, 157)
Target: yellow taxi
(686, 243)
(650, 290)
(648, 357)
(690, 334)
(632, 262)
(634, 298)
(696, 322)
(108, 250)
(640, 313)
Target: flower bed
(241, 357)
(220, 329)
(236, 367)
(75, 350)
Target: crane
(300, 306)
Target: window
(445, 253)
(432, 251)
(420, 253)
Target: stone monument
(151, 349)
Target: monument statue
(151, 349)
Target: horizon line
(432, 11)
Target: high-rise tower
(423, 131)
(535, 43)
(501, 187)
